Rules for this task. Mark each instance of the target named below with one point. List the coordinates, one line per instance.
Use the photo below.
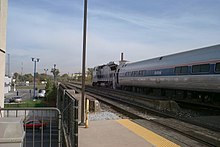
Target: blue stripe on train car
(167, 72)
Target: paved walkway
(119, 133)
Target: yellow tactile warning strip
(148, 135)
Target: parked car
(6, 100)
(16, 99)
(41, 93)
(37, 124)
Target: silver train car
(194, 73)
(192, 70)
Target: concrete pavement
(109, 133)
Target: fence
(68, 105)
(50, 127)
(41, 125)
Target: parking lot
(25, 94)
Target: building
(3, 24)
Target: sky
(142, 29)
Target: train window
(184, 69)
(141, 73)
(200, 68)
(136, 73)
(195, 68)
(217, 67)
(204, 68)
(177, 70)
(181, 70)
(132, 73)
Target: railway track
(120, 101)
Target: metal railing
(68, 105)
(50, 127)
(41, 125)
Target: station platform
(120, 133)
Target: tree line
(55, 76)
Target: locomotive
(104, 74)
(190, 74)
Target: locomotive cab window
(203, 68)
(217, 67)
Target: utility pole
(84, 64)
(35, 67)
(54, 74)
(8, 65)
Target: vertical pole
(34, 76)
(8, 65)
(54, 73)
(87, 113)
(84, 64)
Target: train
(185, 75)
(104, 74)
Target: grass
(48, 101)
(27, 103)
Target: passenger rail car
(196, 70)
